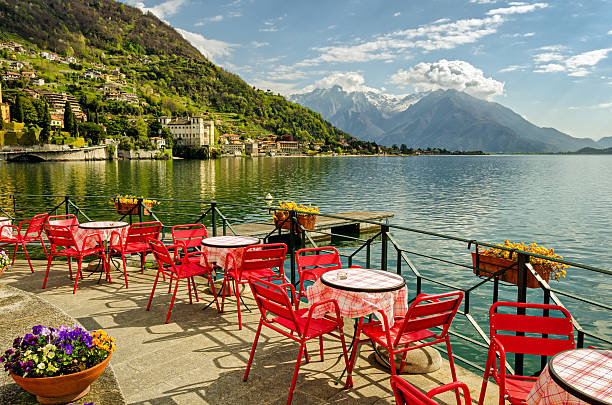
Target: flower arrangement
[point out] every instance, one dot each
(4, 261)
(50, 352)
(556, 269)
(306, 215)
(130, 199)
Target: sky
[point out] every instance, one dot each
(550, 61)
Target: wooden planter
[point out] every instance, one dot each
(307, 221)
(131, 208)
(64, 388)
(495, 264)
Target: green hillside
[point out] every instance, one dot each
(169, 76)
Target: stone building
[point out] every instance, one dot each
(5, 113)
(194, 131)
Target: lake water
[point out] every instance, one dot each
(557, 201)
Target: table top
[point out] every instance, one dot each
(2, 219)
(584, 373)
(363, 280)
(229, 241)
(103, 225)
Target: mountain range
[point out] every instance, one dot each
(446, 119)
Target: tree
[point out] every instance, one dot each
(17, 112)
(45, 123)
(168, 137)
(68, 117)
(93, 132)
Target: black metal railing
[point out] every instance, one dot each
(384, 243)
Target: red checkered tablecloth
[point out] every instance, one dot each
(355, 304)
(6, 232)
(586, 370)
(102, 228)
(217, 248)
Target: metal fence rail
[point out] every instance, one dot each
(381, 250)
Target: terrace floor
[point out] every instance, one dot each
(200, 356)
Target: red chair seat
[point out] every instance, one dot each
(134, 247)
(315, 328)
(260, 273)
(518, 388)
(74, 252)
(376, 332)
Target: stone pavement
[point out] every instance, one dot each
(200, 356)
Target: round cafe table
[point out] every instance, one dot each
(217, 247)
(6, 232)
(102, 228)
(575, 377)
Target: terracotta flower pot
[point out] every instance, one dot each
(129, 208)
(64, 388)
(307, 221)
(2, 270)
(495, 264)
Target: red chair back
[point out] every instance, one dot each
(407, 394)
(273, 298)
(142, 232)
(504, 326)
(431, 311)
(59, 235)
(161, 253)
(318, 260)
(265, 256)
(63, 220)
(36, 225)
(190, 235)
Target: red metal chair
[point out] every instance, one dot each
(190, 236)
(69, 220)
(136, 241)
(262, 261)
(278, 314)
(62, 237)
(167, 266)
(424, 316)
(312, 262)
(515, 388)
(22, 235)
(406, 394)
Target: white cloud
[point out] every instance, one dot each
(610, 32)
(529, 34)
(512, 68)
(547, 57)
(517, 8)
(590, 58)
(483, 1)
(349, 81)
(593, 107)
(256, 44)
(397, 14)
(444, 74)
(550, 68)
(211, 48)
(162, 10)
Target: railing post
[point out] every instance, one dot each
(292, 226)
(383, 253)
(140, 205)
(399, 262)
(368, 255)
(521, 297)
(213, 217)
(67, 204)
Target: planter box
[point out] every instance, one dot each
(132, 209)
(495, 264)
(307, 221)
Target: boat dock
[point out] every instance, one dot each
(343, 223)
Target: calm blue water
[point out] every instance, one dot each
(557, 201)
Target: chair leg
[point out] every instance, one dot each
(142, 261)
(76, 279)
(485, 380)
(321, 347)
(173, 297)
(189, 289)
(25, 250)
(295, 372)
(153, 290)
(70, 268)
(195, 289)
(238, 303)
(42, 242)
(344, 350)
(451, 361)
(351, 365)
(14, 253)
(48, 267)
(105, 266)
(246, 372)
(211, 283)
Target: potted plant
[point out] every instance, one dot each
(494, 260)
(5, 262)
(306, 215)
(58, 364)
(127, 204)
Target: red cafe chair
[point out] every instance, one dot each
(278, 314)
(28, 231)
(69, 220)
(262, 261)
(504, 326)
(406, 394)
(190, 236)
(171, 266)
(420, 324)
(135, 241)
(63, 244)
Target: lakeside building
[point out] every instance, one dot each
(158, 142)
(194, 131)
(288, 147)
(5, 112)
(57, 103)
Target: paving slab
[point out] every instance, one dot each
(200, 356)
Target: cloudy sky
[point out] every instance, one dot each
(549, 61)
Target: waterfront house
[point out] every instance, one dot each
(158, 142)
(288, 147)
(188, 131)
